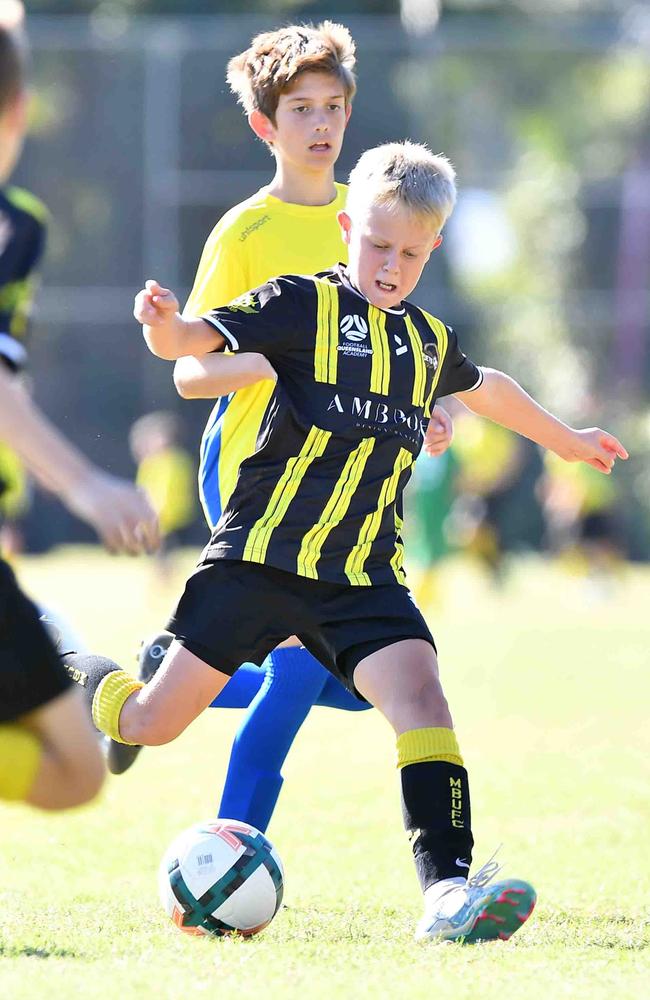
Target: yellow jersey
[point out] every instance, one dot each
(258, 239)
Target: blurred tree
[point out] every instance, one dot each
(282, 8)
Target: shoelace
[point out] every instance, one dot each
(486, 872)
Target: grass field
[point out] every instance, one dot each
(550, 693)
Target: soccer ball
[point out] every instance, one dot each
(221, 877)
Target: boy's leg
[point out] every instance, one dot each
(147, 714)
(242, 687)
(334, 695)
(402, 681)
(225, 617)
(294, 680)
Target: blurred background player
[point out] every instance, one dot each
(166, 472)
(296, 86)
(495, 511)
(49, 754)
(583, 524)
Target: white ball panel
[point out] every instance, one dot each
(253, 903)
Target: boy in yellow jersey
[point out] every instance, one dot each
(167, 474)
(296, 86)
(310, 540)
(49, 755)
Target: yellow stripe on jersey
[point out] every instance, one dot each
(370, 528)
(240, 427)
(335, 509)
(442, 339)
(285, 490)
(327, 333)
(380, 371)
(397, 562)
(420, 373)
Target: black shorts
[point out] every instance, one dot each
(31, 672)
(232, 612)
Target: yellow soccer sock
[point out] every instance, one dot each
(418, 745)
(20, 758)
(109, 701)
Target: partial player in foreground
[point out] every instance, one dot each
(49, 754)
(310, 541)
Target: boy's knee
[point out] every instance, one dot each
(149, 727)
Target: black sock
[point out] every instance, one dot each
(88, 671)
(437, 815)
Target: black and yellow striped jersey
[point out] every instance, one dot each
(22, 239)
(321, 496)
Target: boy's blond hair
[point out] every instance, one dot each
(275, 59)
(404, 174)
(12, 51)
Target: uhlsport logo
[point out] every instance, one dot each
(354, 327)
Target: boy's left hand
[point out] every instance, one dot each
(439, 432)
(595, 447)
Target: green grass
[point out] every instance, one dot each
(550, 693)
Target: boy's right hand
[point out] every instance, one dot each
(119, 511)
(154, 305)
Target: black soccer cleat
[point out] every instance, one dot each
(120, 756)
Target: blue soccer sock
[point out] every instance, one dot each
(241, 688)
(334, 695)
(293, 681)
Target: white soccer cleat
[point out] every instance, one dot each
(473, 911)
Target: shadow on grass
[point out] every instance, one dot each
(30, 951)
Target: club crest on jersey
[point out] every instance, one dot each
(431, 356)
(246, 303)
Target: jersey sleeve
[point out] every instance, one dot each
(459, 373)
(220, 276)
(268, 320)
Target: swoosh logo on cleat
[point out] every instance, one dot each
(461, 863)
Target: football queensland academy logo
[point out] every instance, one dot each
(354, 328)
(430, 356)
(355, 331)
(246, 303)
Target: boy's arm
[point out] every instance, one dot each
(167, 334)
(216, 375)
(503, 400)
(119, 512)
